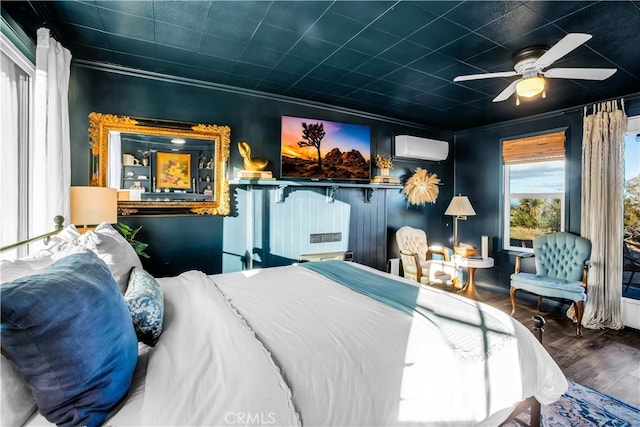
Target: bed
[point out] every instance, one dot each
(321, 343)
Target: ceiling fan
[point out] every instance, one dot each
(530, 64)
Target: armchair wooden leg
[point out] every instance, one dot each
(512, 293)
(539, 303)
(579, 305)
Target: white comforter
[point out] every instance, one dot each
(284, 346)
(207, 369)
(351, 360)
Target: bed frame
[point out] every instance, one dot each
(530, 403)
(58, 220)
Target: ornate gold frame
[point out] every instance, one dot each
(101, 124)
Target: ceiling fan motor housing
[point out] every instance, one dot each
(525, 60)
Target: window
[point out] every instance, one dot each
(16, 79)
(632, 189)
(534, 175)
(631, 194)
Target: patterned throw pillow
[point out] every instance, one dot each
(146, 305)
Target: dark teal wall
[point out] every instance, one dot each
(478, 174)
(212, 244)
(181, 243)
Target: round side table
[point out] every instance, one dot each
(471, 264)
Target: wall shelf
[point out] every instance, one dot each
(283, 187)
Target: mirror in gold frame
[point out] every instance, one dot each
(137, 156)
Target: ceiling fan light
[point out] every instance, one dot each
(528, 88)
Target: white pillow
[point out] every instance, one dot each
(16, 400)
(61, 244)
(110, 246)
(117, 253)
(11, 270)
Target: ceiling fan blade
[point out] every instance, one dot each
(506, 94)
(485, 76)
(567, 44)
(580, 73)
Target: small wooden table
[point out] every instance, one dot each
(471, 264)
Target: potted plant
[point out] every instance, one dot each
(130, 234)
(384, 164)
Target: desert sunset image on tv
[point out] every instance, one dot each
(321, 149)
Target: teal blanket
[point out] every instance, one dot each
(472, 332)
(393, 293)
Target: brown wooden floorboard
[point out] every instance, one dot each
(605, 360)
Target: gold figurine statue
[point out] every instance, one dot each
(249, 163)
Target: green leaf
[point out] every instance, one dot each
(138, 246)
(134, 232)
(129, 234)
(123, 228)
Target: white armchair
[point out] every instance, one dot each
(417, 259)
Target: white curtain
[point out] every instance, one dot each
(50, 153)
(9, 173)
(114, 172)
(602, 212)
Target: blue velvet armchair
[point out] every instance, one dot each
(561, 271)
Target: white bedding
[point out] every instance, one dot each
(207, 369)
(351, 360)
(322, 354)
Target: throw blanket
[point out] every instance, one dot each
(463, 334)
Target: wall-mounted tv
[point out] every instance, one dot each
(321, 149)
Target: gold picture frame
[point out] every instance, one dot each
(102, 125)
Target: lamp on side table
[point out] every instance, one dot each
(91, 206)
(460, 208)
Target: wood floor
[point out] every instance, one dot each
(605, 360)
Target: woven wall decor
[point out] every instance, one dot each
(422, 187)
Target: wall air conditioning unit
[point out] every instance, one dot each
(413, 147)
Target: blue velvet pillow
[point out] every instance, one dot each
(146, 305)
(69, 333)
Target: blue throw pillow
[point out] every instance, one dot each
(69, 333)
(146, 305)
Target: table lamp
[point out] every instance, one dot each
(91, 206)
(459, 208)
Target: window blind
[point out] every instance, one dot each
(538, 148)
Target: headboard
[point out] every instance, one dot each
(58, 220)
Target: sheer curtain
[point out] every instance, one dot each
(50, 154)
(114, 172)
(601, 217)
(9, 173)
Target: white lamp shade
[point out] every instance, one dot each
(460, 206)
(94, 205)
